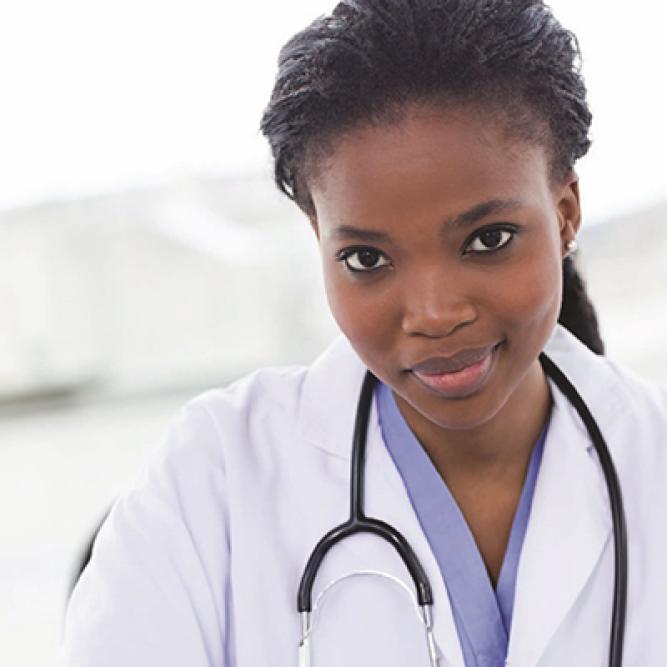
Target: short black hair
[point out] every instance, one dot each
(369, 59)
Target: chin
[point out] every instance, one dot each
(452, 414)
(464, 414)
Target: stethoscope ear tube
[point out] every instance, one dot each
(616, 505)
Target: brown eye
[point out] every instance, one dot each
(489, 240)
(364, 259)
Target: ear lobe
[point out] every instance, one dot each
(569, 210)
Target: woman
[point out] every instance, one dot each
(432, 146)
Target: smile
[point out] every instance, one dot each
(457, 378)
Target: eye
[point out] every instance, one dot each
(362, 259)
(490, 239)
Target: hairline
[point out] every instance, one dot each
(321, 145)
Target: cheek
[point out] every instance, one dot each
(532, 295)
(366, 322)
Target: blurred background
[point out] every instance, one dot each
(145, 256)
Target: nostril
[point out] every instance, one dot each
(436, 319)
(437, 324)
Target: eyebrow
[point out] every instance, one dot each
(465, 219)
(482, 210)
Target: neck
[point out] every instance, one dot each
(497, 448)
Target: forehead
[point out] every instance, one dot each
(426, 159)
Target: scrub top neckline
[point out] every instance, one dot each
(482, 614)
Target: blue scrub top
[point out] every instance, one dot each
(483, 616)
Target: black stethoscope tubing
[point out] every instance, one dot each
(358, 522)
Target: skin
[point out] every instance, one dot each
(434, 291)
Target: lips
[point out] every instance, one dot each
(458, 376)
(465, 358)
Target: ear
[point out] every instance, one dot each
(569, 209)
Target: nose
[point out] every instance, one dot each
(435, 304)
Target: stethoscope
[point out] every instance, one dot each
(360, 523)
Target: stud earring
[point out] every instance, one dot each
(571, 247)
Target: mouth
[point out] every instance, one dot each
(458, 376)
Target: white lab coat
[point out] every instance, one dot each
(199, 564)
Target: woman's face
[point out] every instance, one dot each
(442, 241)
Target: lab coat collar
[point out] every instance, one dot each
(329, 399)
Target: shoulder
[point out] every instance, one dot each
(273, 403)
(261, 394)
(630, 411)
(605, 383)
(641, 393)
(204, 427)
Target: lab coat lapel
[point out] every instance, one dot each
(568, 531)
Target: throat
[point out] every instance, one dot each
(485, 468)
(490, 516)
